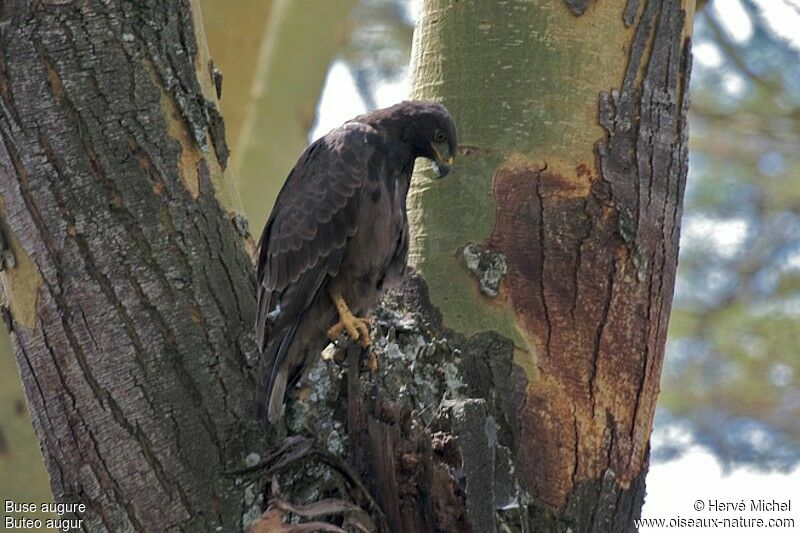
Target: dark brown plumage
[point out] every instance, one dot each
(337, 235)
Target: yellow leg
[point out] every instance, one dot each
(357, 328)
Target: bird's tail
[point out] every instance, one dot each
(272, 380)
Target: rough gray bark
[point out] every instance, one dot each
(130, 298)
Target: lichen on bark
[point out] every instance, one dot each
(409, 428)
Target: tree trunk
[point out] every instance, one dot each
(568, 196)
(302, 39)
(128, 291)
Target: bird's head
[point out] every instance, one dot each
(430, 132)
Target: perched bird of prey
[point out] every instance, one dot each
(337, 235)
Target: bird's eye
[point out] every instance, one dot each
(439, 136)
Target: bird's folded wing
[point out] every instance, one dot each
(315, 215)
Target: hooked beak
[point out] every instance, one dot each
(444, 159)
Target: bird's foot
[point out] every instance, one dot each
(356, 328)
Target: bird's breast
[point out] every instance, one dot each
(376, 255)
(382, 221)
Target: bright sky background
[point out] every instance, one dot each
(672, 487)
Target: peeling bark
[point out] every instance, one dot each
(588, 228)
(131, 301)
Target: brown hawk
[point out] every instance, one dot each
(337, 235)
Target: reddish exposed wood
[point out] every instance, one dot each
(591, 274)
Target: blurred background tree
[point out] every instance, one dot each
(731, 380)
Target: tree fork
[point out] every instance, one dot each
(131, 300)
(518, 365)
